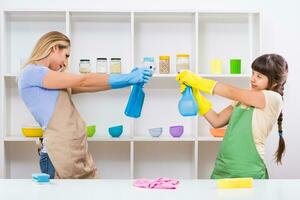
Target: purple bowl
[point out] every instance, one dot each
(176, 131)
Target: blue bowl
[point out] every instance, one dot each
(115, 131)
(155, 132)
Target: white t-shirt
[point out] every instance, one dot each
(263, 120)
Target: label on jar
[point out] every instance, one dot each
(102, 67)
(115, 68)
(84, 69)
(182, 66)
(164, 67)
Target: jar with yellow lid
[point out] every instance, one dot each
(164, 64)
(182, 62)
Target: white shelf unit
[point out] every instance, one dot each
(130, 35)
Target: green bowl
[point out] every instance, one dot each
(90, 130)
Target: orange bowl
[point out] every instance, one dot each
(218, 132)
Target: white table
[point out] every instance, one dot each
(23, 189)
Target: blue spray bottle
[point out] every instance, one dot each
(187, 105)
(137, 95)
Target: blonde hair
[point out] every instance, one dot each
(43, 47)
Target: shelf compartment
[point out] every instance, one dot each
(100, 34)
(115, 101)
(227, 36)
(13, 106)
(112, 159)
(150, 160)
(207, 153)
(157, 34)
(26, 28)
(21, 160)
(162, 111)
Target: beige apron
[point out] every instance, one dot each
(66, 141)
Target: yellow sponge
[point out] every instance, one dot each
(235, 183)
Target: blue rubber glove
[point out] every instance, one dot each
(136, 76)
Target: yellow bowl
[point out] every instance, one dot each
(32, 132)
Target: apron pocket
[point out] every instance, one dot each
(79, 155)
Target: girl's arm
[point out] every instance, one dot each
(247, 97)
(218, 120)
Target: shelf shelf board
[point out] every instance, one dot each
(164, 139)
(164, 75)
(20, 139)
(206, 75)
(108, 139)
(209, 139)
(124, 139)
(225, 75)
(158, 76)
(10, 75)
(33, 139)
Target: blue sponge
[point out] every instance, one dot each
(41, 177)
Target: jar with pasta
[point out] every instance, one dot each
(164, 64)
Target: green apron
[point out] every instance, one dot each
(238, 156)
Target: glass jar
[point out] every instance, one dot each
(216, 66)
(101, 65)
(115, 65)
(84, 66)
(149, 63)
(164, 64)
(182, 62)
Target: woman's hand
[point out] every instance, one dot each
(136, 76)
(139, 76)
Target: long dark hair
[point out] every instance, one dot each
(276, 69)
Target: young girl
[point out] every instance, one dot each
(46, 90)
(250, 119)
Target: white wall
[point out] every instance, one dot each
(280, 34)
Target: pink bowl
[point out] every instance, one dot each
(176, 131)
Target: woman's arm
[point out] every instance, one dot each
(95, 81)
(77, 90)
(60, 80)
(218, 120)
(247, 97)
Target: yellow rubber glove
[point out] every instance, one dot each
(193, 80)
(204, 105)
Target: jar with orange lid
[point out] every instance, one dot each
(164, 64)
(182, 62)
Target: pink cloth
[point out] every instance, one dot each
(159, 183)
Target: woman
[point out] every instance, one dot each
(46, 90)
(250, 119)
